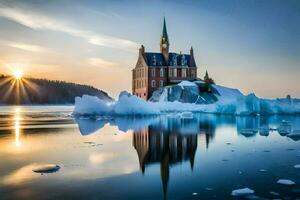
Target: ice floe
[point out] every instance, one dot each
(242, 192)
(286, 182)
(297, 166)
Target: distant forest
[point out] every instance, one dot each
(43, 91)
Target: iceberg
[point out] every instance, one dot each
(127, 104)
(222, 100)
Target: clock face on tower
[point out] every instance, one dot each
(164, 45)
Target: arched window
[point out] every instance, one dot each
(161, 83)
(153, 72)
(161, 72)
(153, 83)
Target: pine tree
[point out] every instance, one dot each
(208, 81)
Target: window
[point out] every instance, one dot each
(183, 61)
(161, 72)
(154, 60)
(161, 83)
(153, 72)
(193, 75)
(153, 83)
(183, 73)
(170, 72)
(175, 72)
(175, 60)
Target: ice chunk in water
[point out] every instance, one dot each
(285, 182)
(297, 166)
(48, 168)
(242, 192)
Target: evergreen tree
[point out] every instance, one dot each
(207, 79)
(207, 82)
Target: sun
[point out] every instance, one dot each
(18, 74)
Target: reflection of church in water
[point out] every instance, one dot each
(167, 148)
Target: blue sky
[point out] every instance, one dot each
(253, 45)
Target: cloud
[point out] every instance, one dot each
(40, 22)
(28, 47)
(99, 62)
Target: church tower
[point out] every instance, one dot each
(164, 42)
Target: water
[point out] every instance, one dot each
(161, 157)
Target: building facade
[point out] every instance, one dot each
(157, 69)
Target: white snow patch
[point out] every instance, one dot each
(187, 84)
(285, 182)
(242, 192)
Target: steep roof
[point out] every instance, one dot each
(157, 59)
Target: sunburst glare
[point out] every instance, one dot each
(18, 74)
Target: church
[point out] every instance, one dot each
(157, 69)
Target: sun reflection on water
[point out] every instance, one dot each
(17, 128)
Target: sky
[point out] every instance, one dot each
(252, 45)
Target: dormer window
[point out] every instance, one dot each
(175, 61)
(183, 60)
(154, 60)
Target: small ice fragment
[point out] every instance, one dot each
(263, 170)
(285, 182)
(242, 192)
(274, 193)
(209, 189)
(48, 168)
(195, 193)
(297, 166)
(240, 172)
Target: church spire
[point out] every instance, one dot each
(165, 37)
(164, 42)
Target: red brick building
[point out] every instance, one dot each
(154, 70)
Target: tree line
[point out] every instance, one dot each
(43, 91)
